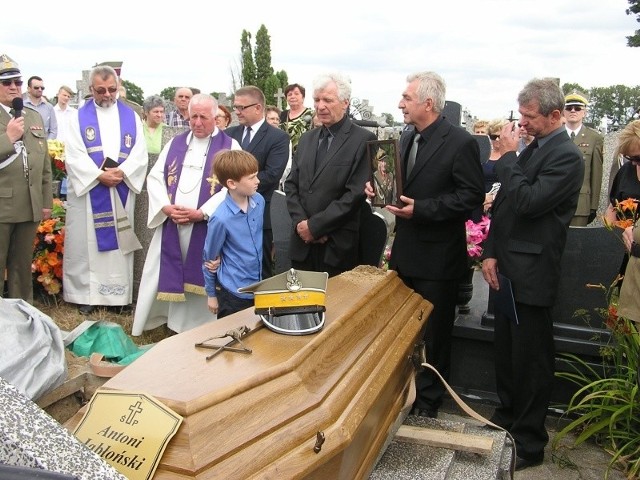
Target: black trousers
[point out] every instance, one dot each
(524, 367)
(228, 303)
(443, 294)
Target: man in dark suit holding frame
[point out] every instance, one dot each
(530, 218)
(441, 185)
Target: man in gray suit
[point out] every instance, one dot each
(530, 218)
(590, 143)
(25, 183)
(325, 187)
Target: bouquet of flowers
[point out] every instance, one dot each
(476, 234)
(626, 214)
(48, 248)
(56, 152)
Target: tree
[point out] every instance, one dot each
(169, 93)
(634, 9)
(264, 71)
(246, 60)
(134, 92)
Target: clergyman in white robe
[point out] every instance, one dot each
(150, 312)
(91, 277)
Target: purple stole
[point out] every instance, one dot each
(103, 214)
(176, 278)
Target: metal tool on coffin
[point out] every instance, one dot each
(292, 303)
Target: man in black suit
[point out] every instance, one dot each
(270, 146)
(530, 218)
(324, 189)
(441, 185)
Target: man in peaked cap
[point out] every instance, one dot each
(590, 143)
(25, 183)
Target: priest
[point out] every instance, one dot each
(181, 191)
(106, 161)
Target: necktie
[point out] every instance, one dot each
(411, 160)
(528, 152)
(573, 135)
(246, 139)
(323, 146)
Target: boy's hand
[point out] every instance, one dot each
(212, 265)
(212, 303)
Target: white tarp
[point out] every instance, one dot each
(31, 349)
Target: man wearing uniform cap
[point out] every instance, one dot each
(25, 183)
(590, 143)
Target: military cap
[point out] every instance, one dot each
(8, 68)
(292, 302)
(575, 98)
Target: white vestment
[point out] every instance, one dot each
(91, 277)
(150, 312)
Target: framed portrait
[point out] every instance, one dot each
(386, 172)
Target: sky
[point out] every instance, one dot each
(485, 50)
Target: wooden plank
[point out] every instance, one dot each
(445, 439)
(71, 385)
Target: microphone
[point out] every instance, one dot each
(17, 104)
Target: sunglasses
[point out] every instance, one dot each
(7, 83)
(102, 90)
(494, 137)
(576, 108)
(634, 158)
(240, 108)
(38, 88)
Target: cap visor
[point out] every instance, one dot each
(295, 324)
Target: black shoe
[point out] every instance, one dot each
(425, 412)
(86, 309)
(121, 309)
(522, 463)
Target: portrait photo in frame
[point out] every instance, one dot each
(386, 172)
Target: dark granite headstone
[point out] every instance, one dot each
(281, 224)
(485, 147)
(453, 112)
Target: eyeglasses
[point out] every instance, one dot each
(38, 88)
(102, 90)
(7, 83)
(576, 108)
(494, 137)
(240, 108)
(634, 158)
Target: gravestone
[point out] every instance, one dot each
(141, 211)
(472, 348)
(279, 96)
(485, 147)
(453, 112)
(281, 224)
(31, 439)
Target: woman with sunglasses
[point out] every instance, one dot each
(489, 167)
(626, 184)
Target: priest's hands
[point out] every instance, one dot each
(111, 177)
(181, 215)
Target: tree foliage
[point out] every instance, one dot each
(634, 9)
(264, 71)
(247, 64)
(134, 92)
(169, 93)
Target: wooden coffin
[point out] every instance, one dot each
(257, 416)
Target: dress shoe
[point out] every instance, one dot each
(424, 412)
(86, 309)
(522, 463)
